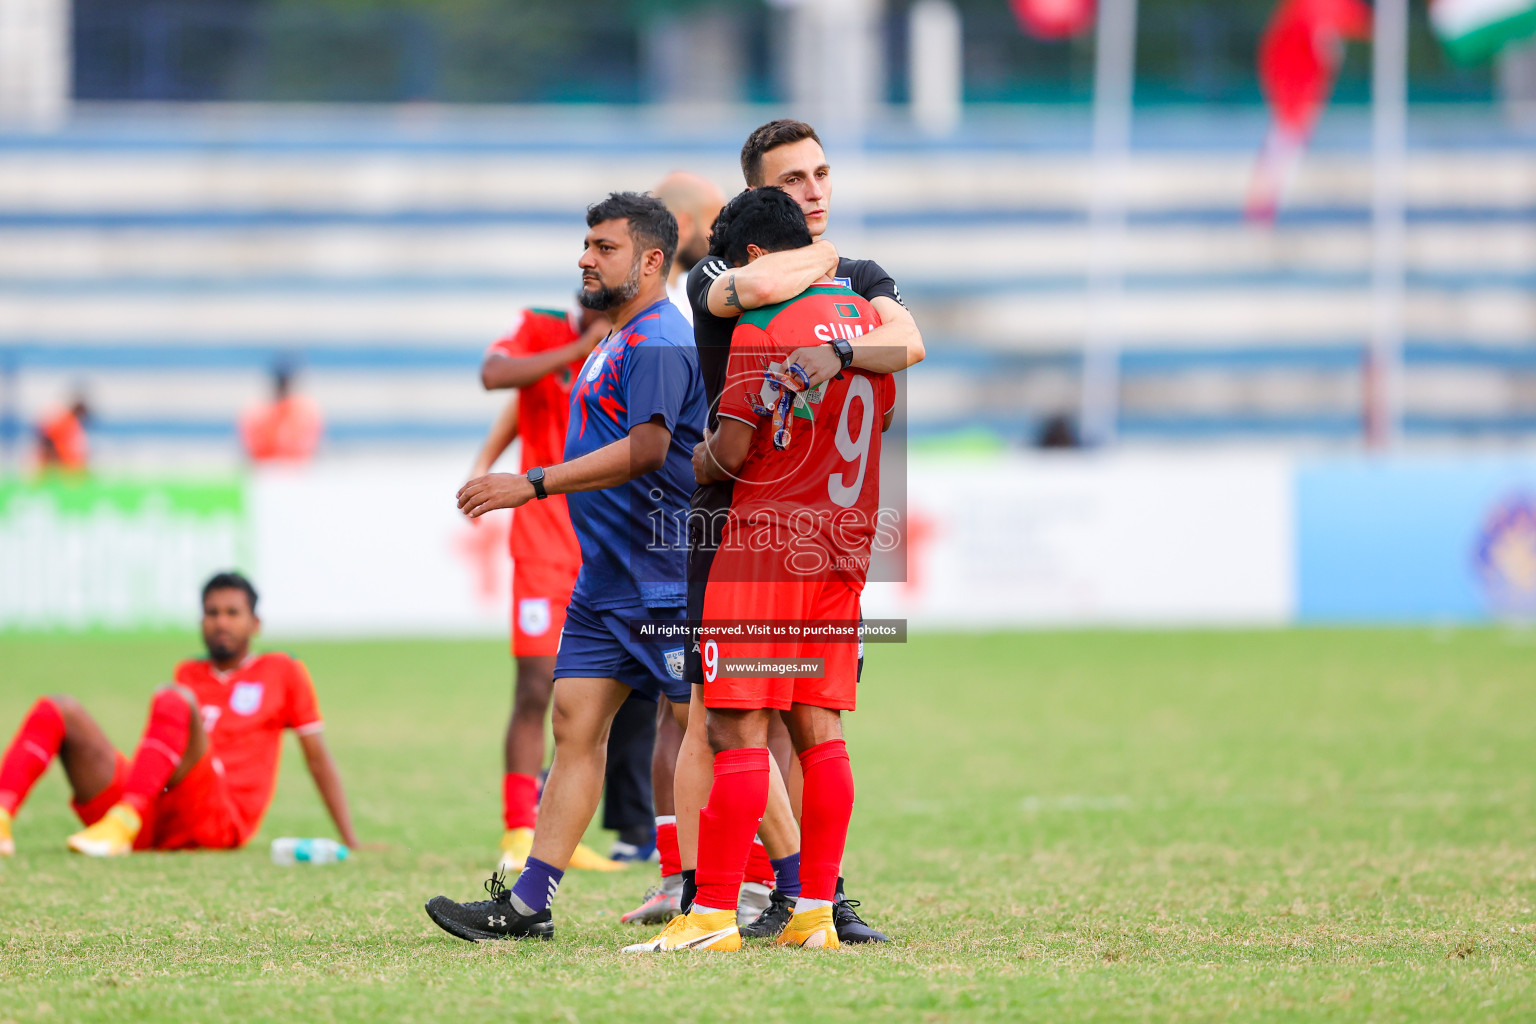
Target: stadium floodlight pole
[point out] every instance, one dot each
(1389, 157)
(1114, 80)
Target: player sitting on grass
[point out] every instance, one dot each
(205, 768)
(794, 548)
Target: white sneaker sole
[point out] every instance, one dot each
(701, 942)
(98, 849)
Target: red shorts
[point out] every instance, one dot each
(815, 601)
(196, 813)
(540, 592)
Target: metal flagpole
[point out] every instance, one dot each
(1113, 87)
(1389, 140)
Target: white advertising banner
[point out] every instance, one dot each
(359, 549)
(1076, 539)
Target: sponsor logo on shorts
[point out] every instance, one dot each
(246, 698)
(674, 662)
(533, 615)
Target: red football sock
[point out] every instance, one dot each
(519, 800)
(666, 845)
(37, 741)
(728, 822)
(160, 751)
(826, 807)
(759, 868)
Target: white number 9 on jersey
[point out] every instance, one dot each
(850, 448)
(711, 656)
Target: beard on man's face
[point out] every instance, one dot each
(217, 650)
(603, 298)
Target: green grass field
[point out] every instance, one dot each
(1296, 825)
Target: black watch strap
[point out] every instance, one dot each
(844, 351)
(536, 477)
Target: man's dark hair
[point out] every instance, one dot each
(651, 224)
(765, 217)
(231, 581)
(771, 136)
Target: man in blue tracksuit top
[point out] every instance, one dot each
(636, 414)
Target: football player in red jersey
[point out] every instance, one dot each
(794, 547)
(203, 774)
(787, 154)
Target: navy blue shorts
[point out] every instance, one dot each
(596, 644)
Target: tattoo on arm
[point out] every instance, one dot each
(731, 298)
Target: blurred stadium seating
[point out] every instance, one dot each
(165, 257)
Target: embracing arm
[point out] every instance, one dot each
(720, 455)
(771, 278)
(890, 348)
(643, 450)
(328, 781)
(893, 346)
(503, 371)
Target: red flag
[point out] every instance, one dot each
(1299, 60)
(1053, 19)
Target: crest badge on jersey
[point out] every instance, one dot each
(674, 662)
(533, 615)
(595, 370)
(245, 699)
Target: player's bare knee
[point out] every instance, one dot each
(810, 725)
(577, 729)
(70, 709)
(734, 730)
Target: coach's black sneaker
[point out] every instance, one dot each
(772, 920)
(851, 928)
(495, 918)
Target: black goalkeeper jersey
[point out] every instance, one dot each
(712, 335)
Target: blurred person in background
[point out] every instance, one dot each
(204, 771)
(1057, 431)
(62, 442)
(540, 359)
(695, 201)
(286, 429)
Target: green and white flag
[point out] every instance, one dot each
(1474, 30)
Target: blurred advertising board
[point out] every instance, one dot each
(1025, 540)
(377, 549)
(1095, 539)
(83, 553)
(1420, 540)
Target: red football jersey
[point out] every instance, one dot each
(541, 530)
(824, 486)
(245, 712)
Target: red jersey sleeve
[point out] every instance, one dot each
(516, 342)
(303, 713)
(752, 349)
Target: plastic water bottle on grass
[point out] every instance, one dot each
(289, 851)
